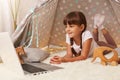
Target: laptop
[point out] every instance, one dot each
(11, 61)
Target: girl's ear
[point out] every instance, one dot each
(82, 27)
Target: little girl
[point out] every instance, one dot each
(80, 43)
(79, 40)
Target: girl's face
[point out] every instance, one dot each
(73, 30)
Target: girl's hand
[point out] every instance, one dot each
(56, 60)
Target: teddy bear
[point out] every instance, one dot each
(20, 52)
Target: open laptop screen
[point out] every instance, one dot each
(8, 54)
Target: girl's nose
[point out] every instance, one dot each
(67, 29)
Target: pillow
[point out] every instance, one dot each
(34, 54)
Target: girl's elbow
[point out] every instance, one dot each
(84, 57)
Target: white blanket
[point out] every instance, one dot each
(79, 70)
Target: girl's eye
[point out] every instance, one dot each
(65, 26)
(71, 26)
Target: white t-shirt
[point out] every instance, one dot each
(85, 36)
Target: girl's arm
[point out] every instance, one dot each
(84, 53)
(69, 52)
(69, 56)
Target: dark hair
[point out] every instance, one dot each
(77, 18)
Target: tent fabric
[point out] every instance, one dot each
(110, 8)
(25, 6)
(18, 37)
(30, 31)
(46, 24)
(116, 8)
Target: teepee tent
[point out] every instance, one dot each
(40, 22)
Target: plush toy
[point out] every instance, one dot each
(99, 52)
(20, 52)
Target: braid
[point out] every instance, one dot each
(71, 41)
(81, 41)
(80, 44)
(72, 49)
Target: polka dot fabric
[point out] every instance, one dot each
(110, 8)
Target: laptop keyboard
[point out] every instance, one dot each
(32, 69)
